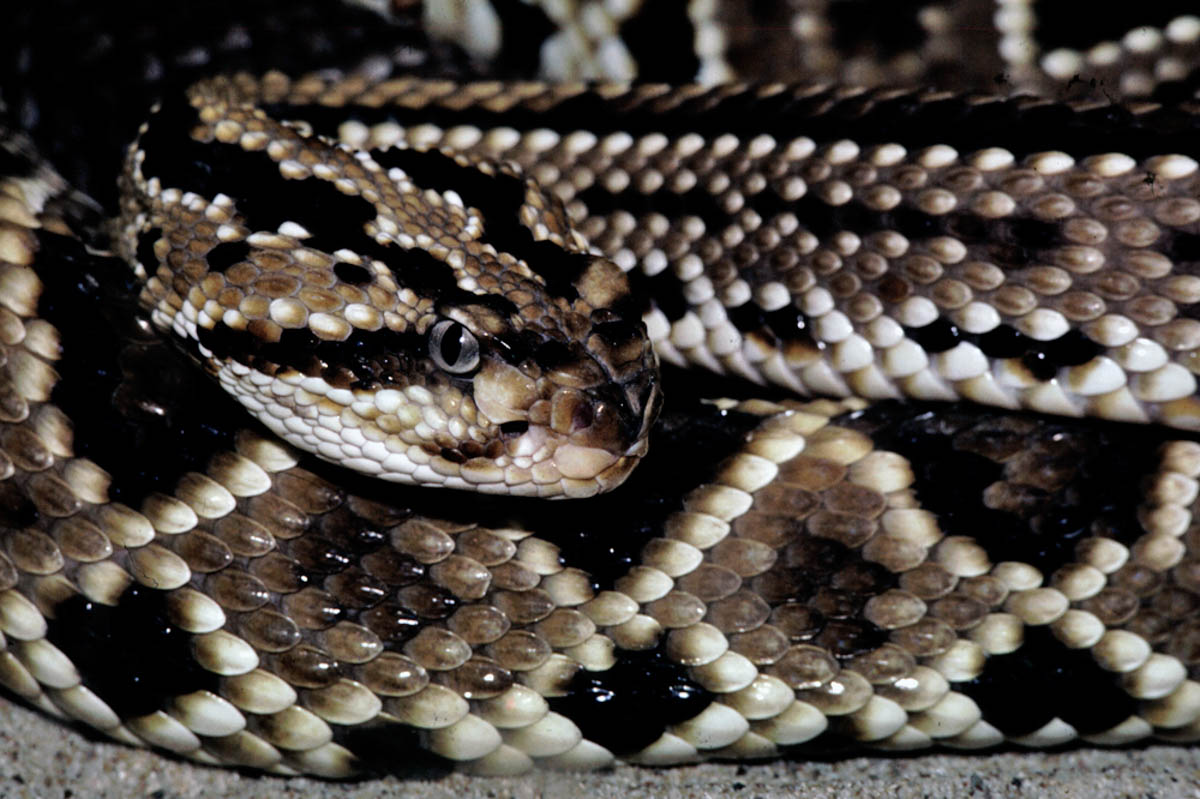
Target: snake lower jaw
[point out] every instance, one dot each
(592, 452)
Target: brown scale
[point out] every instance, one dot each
(427, 601)
(356, 589)
(761, 646)
(244, 536)
(279, 517)
(521, 650)
(676, 609)
(81, 540)
(392, 567)
(513, 576)
(312, 609)
(894, 609)
(478, 624)
(437, 649)
(988, 590)
(305, 666)
(204, 553)
(564, 628)
(741, 612)
(393, 674)
(351, 643)
(267, 630)
(959, 612)
(237, 590)
(524, 607)
(709, 582)
(885, 665)
(278, 572)
(478, 678)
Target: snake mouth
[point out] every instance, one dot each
(577, 442)
(603, 447)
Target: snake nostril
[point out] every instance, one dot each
(584, 417)
(513, 428)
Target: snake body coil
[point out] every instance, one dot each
(469, 285)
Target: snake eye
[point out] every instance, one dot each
(453, 348)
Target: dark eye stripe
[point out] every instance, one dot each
(366, 358)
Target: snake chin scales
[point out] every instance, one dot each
(414, 316)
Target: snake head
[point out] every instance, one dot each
(413, 315)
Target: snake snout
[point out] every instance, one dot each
(604, 407)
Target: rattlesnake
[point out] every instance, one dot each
(778, 577)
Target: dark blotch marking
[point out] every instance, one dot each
(618, 331)
(661, 39)
(939, 335)
(124, 389)
(16, 161)
(628, 707)
(1181, 246)
(1050, 681)
(145, 249)
(499, 198)
(747, 317)
(16, 509)
(365, 359)
(1004, 341)
(132, 656)
(1088, 464)
(525, 29)
(262, 195)
(665, 289)
(226, 255)
(352, 273)
(1039, 365)
(789, 324)
(513, 428)
(1071, 23)
(882, 32)
(781, 326)
(420, 271)
(391, 749)
(1073, 348)
(1043, 359)
(453, 455)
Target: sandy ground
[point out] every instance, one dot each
(45, 759)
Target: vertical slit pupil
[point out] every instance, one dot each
(452, 345)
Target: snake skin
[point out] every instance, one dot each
(778, 577)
